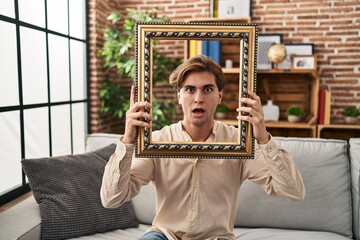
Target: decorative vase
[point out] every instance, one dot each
(220, 115)
(350, 120)
(271, 112)
(293, 118)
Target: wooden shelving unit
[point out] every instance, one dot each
(286, 88)
(338, 131)
(284, 128)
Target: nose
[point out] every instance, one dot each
(199, 97)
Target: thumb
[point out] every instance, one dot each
(132, 95)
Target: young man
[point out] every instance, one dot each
(196, 198)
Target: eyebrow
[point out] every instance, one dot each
(205, 86)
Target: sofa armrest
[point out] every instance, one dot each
(21, 222)
(354, 154)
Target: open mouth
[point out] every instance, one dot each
(198, 110)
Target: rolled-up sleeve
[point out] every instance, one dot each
(275, 171)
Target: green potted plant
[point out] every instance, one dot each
(117, 52)
(221, 111)
(294, 113)
(351, 114)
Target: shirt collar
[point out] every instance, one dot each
(211, 138)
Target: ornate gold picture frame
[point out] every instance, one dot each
(148, 32)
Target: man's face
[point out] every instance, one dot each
(199, 97)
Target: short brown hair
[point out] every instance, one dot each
(199, 63)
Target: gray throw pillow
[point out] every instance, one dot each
(67, 189)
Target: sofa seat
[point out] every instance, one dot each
(120, 234)
(240, 233)
(284, 234)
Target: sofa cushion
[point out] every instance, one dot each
(95, 141)
(324, 166)
(354, 154)
(67, 189)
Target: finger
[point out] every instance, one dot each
(248, 101)
(132, 95)
(254, 120)
(248, 111)
(245, 118)
(139, 115)
(138, 106)
(140, 123)
(253, 95)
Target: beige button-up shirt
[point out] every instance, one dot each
(196, 198)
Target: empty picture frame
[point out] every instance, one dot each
(265, 42)
(146, 33)
(295, 49)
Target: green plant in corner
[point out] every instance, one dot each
(222, 108)
(117, 52)
(294, 110)
(221, 111)
(294, 113)
(351, 111)
(160, 117)
(351, 114)
(114, 100)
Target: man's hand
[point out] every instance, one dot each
(134, 118)
(255, 117)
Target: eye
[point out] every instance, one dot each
(208, 89)
(190, 89)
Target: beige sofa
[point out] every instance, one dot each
(330, 210)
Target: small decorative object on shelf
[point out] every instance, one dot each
(265, 41)
(221, 111)
(271, 111)
(277, 54)
(303, 62)
(294, 113)
(295, 49)
(228, 63)
(351, 115)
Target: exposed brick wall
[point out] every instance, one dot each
(176, 10)
(98, 12)
(332, 26)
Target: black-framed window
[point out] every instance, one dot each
(43, 85)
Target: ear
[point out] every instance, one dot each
(178, 97)
(220, 96)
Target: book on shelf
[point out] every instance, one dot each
(327, 112)
(212, 48)
(198, 47)
(192, 48)
(324, 109)
(321, 108)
